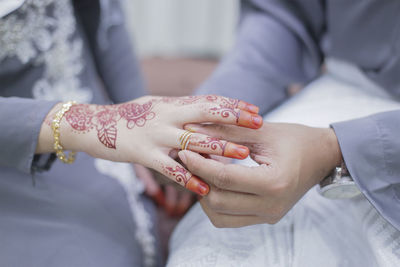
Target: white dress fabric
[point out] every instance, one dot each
(317, 231)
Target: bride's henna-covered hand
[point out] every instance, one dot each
(145, 130)
(292, 159)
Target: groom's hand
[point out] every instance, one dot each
(292, 159)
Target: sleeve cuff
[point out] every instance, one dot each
(38, 115)
(371, 150)
(21, 121)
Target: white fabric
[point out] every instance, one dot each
(7, 6)
(317, 231)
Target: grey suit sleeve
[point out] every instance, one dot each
(371, 151)
(277, 44)
(20, 123)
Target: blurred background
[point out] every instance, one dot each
(180, 41)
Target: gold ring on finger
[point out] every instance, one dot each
(184, 139)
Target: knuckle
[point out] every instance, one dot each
(215, 202)
(275, 185)
(191, 165)
(222, 179)
(204, 110)
(278, 189)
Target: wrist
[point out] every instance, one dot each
(92, 129)
(45, 142)
(328, 153)
(333, 149)
(75, 134)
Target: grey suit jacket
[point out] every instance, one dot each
(283, 42)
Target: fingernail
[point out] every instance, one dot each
(236, 151)
(182, 156)
(250, 120)
(242, 152)
(257, 120)
(197, 186)
(203, 189)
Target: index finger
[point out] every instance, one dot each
(176, 172)
(231, 177)
(223, 110)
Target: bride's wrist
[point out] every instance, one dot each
(74, 137)
(94, 129)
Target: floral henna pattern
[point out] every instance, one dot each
(106, 125)
(80, 117)
(226, 108)
(136, 114)
(180, 174)
(184, 178)
(104, 119)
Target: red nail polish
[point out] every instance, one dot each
(197, 186)
(203, 189)
(243, 152)
(257, 120)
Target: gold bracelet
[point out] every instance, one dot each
(55, 125)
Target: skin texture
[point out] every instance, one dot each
(293, 158)
(145, 130)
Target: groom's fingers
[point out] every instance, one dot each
(220, 220)
(233, 203)
(228, 177)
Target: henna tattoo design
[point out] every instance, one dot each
(226, 106)
(185, 178)
(84, 118)
(136, 114)
(187, 100)
(179, 173)
(213, 143)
